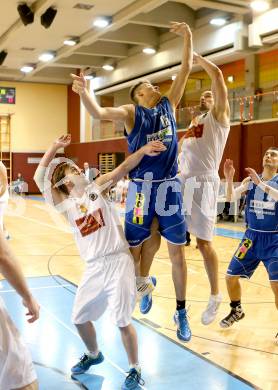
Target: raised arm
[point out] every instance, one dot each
(49, 155)
(10, 269)
(221, 109)
(3, 178)
(153, 148)
(123, 113)
(178, 85)
(231, 193)
(272, 192)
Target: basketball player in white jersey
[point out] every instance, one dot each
(201, 153)
(109, 277)
(16, 367)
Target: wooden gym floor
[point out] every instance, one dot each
(246, 350)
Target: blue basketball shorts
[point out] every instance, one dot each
(163, 200)
(254, 248)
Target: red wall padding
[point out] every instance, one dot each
(73, 115)
(256, 138)
(88, 151)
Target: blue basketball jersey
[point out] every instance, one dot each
(153, 124)
(261, 209)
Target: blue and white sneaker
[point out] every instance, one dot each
(133, 380)
(86, 362)
(147, 300)
(183, 329)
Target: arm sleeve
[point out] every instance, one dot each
(272, 192)
(39, 177)
(237, 192)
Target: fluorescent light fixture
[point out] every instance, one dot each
(27, 68)
(45, 57)
(101, 22)
(218, 21)
(149, 50)
(174, 77)
(108, 67)
(70, 42)
(260, 5)
(230, 79)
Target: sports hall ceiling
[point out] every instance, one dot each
(133, 26)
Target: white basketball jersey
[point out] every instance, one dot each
(203, 146)
(96, 225)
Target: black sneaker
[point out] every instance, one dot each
(235, 315)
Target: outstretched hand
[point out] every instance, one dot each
(181, 29)
(154, 148)
(79, 83)
(229, 170)
(63, 141)
(253, 175)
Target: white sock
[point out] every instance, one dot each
(136, 366)
(143, 279)
(93, 354)
(216, 297)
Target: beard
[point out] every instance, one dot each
(203, 107)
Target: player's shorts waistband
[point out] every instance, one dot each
(263, 231)
(200, 174)
(137, 180)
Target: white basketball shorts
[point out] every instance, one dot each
(108, 283)
(200, 202)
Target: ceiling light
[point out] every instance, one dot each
(230, 79)
(70, 41)
(108, 67)
(218, 21)
(260, 5)
(149, 50)
(174, 77)
(45, 57)
(101, 22)
(27, 68)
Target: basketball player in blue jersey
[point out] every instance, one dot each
(260, 241)
(154, 191)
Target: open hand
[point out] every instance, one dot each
(79, 83)
(154, 148)
(63, 141)
(253, 175)
(229, 170)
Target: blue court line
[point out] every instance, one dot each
(228, 233)
(56, 347)
(33, 197)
